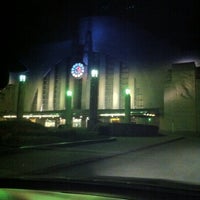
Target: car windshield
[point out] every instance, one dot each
(101, 88)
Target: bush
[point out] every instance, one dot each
(104, 130)
(20, 126)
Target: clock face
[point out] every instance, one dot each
(77, 70)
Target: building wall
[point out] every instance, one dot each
(102, 83)
(198, 99)
(47, 91)
(180, 99)
(8, 99)
(62, 79)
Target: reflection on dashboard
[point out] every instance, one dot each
(22, 194)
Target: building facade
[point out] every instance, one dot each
(181, 98)
(125, 58)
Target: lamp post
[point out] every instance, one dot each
(93, 99)
(20, 99)
(69, 108)
(127, 106)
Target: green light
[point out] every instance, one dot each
(69, 93)
(127, 91)
(4, 194)
(22, 78)
(94, 73)
(149, 119)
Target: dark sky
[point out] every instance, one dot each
(25, 23)
(34, 21)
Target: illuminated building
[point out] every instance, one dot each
(125, 56)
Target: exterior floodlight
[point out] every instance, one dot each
(127, 91)
(94, 73)
(22, 78)
(69, 93)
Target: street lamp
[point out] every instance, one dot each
(69, 108)
(127, 105)
(20, 100)
(93, 99)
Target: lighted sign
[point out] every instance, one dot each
(77, 70)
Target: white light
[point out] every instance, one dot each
(149, 114)
(127, 91)
(112, 114)
(69, 93)
(94, 73)
(40, 116)
(34, 116)
(9, 116)
(22, 78)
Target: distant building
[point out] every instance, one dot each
(124, 56)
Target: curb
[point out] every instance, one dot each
(69, 144)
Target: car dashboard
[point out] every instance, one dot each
(95, 189)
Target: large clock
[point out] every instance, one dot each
(77, 70)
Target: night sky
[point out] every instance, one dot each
(26, 23)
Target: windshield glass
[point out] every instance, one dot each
(98, 88)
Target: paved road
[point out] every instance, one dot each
(178, 160)
(162, 157)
